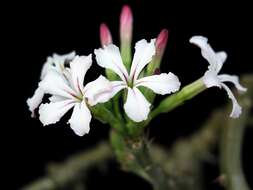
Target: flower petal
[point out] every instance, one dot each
(98, 91)
(144, 52)
(61, 59)
(35, 100)
(54, 83)
(52, 112)
(236, 110)
(234, 79)
(109, 57)
(136, 107)
(78, 68)
(160, 84)
(56, 98)
(56, 62)
(215, 60)
(211, 79)
(117, 86)
(80, 119)
(222, 56)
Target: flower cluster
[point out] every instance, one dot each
(62, 77)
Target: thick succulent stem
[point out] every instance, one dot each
(133, 153)
(231, 143)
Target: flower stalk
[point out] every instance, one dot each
(177, 99)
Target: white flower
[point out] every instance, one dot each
(136, 106)
(67, 91)
(57, 63)
(211, 77)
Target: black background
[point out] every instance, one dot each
(35, 30)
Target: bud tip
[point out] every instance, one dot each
(161, 41)
(126, 22)
(105, 35)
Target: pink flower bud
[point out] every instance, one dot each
(105, 35)
(126, 22)
(161, 42)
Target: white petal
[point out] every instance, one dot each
(161, 84)
(61, 59)
(56, 98)
(211, 79)
(109, 57)
(78, 68)
(222, 56)
(54, 83)
(144, 52)
(35, 100)
(51, 113)
(80, 119)
(234, 79)
(56, 62)
(117, 86)
(49, 65)
(98, 91)
(236, 110)
(136, 107)
(215, 60)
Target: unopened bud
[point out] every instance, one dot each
(161, 42)
(126, 27)
(154, 67)
(126, 23)
(105, 35)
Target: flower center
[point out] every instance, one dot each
(79, 98)
(130, 83)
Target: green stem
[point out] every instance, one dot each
(231, 156)
(101, 113)
(126, 54)
(116, 107)
(177, 99)
(134, 156)
(155, 64)
(231, 145)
